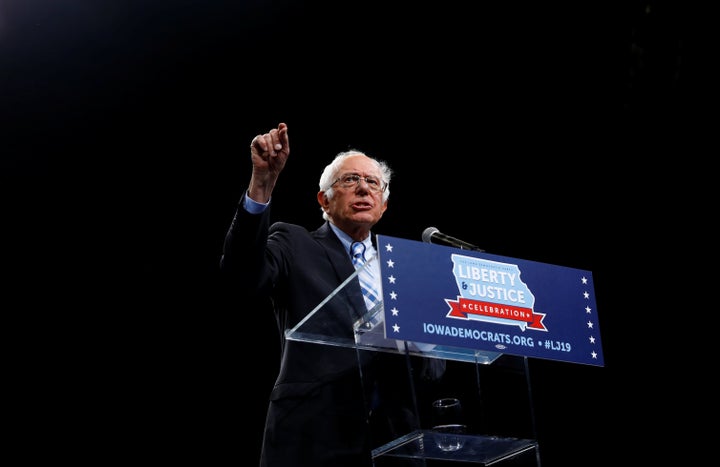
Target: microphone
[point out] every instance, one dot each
(432, 233)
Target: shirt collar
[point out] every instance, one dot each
(347, 240)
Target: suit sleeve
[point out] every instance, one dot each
(243, 249)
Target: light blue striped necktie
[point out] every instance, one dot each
(368, 281)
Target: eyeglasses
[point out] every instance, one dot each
(351, 180)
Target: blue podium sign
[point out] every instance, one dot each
(448, 296)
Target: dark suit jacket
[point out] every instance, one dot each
(318, 410)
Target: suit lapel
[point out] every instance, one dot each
(340, 260)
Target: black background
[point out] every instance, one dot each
(526, 128)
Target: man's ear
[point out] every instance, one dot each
(323, 200)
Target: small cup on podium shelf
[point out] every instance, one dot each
(448, 424)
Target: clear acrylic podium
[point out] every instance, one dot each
(493, 387)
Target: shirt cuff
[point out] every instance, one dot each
(252, 206)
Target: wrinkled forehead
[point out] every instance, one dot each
(361, 165)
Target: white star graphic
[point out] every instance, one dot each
(393, 296)
(584, 280)
(586, 295)
(394, 311)
(396, 328)
(391, 279)
(388, 247)
(588, 309)
(590, 324)
(390, 263)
